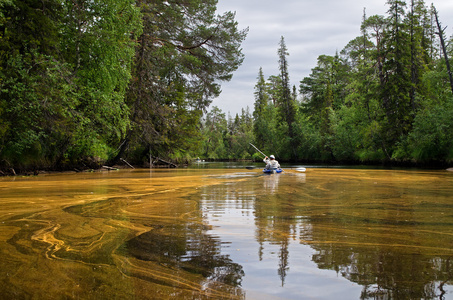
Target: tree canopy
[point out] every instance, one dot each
(385, 98)
(89, 82)
(83, 82)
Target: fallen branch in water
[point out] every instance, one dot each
(123, 160)
(157, 159)
(110, 168)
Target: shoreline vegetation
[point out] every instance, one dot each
(82, 87)
(125, 165)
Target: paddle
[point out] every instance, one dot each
(301, 169)
(252, 167)
(258, 150)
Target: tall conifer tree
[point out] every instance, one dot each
(286, 103)
(396, 89)
(184, 53)
(260, 113)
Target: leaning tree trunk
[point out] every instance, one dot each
(444, 49)
(121, 150)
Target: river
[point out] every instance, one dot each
(228, 233)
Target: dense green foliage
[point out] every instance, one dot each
(65, 67)
(88, 82)
(385, 97)
(83, 82)
(184, 52)
(226, 138)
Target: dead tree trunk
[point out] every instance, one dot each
(444, 49)
(122, 148)
(167, 163)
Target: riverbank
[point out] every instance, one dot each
(96, 167)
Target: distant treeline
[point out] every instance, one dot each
(387, 97)
(85, 83)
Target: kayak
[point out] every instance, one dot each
(272, 171)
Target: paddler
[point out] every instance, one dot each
(271, 163)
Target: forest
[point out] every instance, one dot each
(386, 98)
(88, 83)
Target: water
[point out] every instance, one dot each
(231, 233)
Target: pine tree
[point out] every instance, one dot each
(185, 51)
(259, 114)
(286, 104)
(397, 83)
(419, 47)
(261, 97)
(444, 48)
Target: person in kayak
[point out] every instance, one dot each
(271, 163)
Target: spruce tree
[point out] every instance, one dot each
(286, 104)
(259, 114)
(397, 83)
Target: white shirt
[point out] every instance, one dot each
(271, 163)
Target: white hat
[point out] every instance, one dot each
(273, 157)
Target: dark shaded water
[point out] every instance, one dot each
(227, 234)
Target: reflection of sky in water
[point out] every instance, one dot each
(236, 228)
(343, 235)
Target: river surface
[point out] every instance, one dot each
(327, 233)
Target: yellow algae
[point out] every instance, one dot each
(68, 229)
(8, 232)
(182, 234)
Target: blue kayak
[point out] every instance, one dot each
(272, 171)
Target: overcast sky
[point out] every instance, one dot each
(310, 28)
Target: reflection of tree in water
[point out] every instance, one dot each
(244, 195)
(359, 243)
(390, 256)
(283, 265)
(266, 232)
(388, 274)
(187, 247)
(272, 222)
(386, 271)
